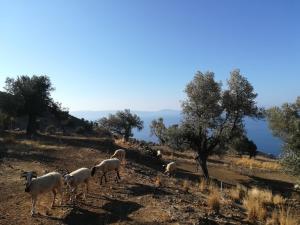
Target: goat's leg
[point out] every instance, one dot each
(105, 178)
(101, 179)
(54, 196)
(33, 201)
(60, 191)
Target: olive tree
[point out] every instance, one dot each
(243, 145)
(122, 123)
(284, 122)
(30, 96)
(212, 117)
(158, 128)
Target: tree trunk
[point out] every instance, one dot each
(202, 160)
(31, 126)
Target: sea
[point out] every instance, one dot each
(257, 130)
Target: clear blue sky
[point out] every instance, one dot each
(103, 55)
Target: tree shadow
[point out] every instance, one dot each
(283, 187)
(142, 189)
(116, 210)
(185, 174)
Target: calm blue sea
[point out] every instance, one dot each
(257, 130)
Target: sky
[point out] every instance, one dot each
(137, 54)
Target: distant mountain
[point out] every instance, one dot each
(257, 130)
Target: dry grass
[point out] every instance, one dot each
(255, 209)
(186, 186)
(158, 182)
(254, 204)
(237, 193)
(203, 185)
(283, 216)
(278, 200)
(214, 200)
(262, 196)
(253, 163)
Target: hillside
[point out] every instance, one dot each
(144, 196)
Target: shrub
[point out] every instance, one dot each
(80, 130)
(51, 129)
(103, 132)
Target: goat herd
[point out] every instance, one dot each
(54, 181)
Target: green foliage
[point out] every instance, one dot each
(4, 121)
(158, 128)
(213, 117)
(284, 122)
(51, 129)
(175, 137)
(244, 145)
(122, 123)
(29, 96)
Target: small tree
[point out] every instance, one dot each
(158, 128)
(175, 137)
(244, 145)
(284, 122)
(212, 117)
(122, 123)
(31, 97)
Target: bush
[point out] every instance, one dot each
(103, 132)
(51, 129)
(80, 130)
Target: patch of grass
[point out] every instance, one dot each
(263, 196)
(254, 209)
(237, 194)
(278, 200)
(253, 163)
(254, 203)
(203, 185)
(186, 186)
(287, 217)
(283, 216)
(214, 200)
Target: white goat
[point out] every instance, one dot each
(119, 154)
(170, 168)
(297, 187)
(76, 178)
(38, 185)
(107, 166)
